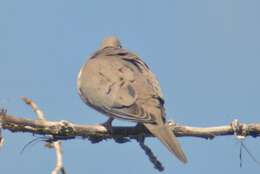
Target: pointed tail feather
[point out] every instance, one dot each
(167, 137)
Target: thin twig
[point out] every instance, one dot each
(250, 154)
(153, 159)
(35, 108)
(56, 144)
(59, 164)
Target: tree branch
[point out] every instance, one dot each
(62, 130)
(56, 144)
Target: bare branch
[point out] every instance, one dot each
(34, 107)
(59, 162)
(56, 144)
(62, 130)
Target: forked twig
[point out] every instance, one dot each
(55, 144)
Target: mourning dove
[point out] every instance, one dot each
(120, 85)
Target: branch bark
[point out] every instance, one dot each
(62, 130)
(59, 168)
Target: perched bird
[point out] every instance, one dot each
(120, 85)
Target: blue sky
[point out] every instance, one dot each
(204, 53)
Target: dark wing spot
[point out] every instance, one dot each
(131, 90)
(104, 77)
(110, 88)
(121, 70)
(135, 63)
(122, 83)
(101, 74)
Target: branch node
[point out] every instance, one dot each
(51, 143)
(66, 128)
(240, 129)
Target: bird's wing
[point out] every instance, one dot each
(140, 69)
(128, 90)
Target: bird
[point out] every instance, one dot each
(120, 85)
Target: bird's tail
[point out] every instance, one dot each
(168, 138)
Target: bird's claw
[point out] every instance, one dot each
(108, 125)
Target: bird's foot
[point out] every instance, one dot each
(141, 136)
(140, 126)
(108, 125)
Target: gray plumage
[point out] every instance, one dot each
(120, 85)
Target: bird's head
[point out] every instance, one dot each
(111, 41)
